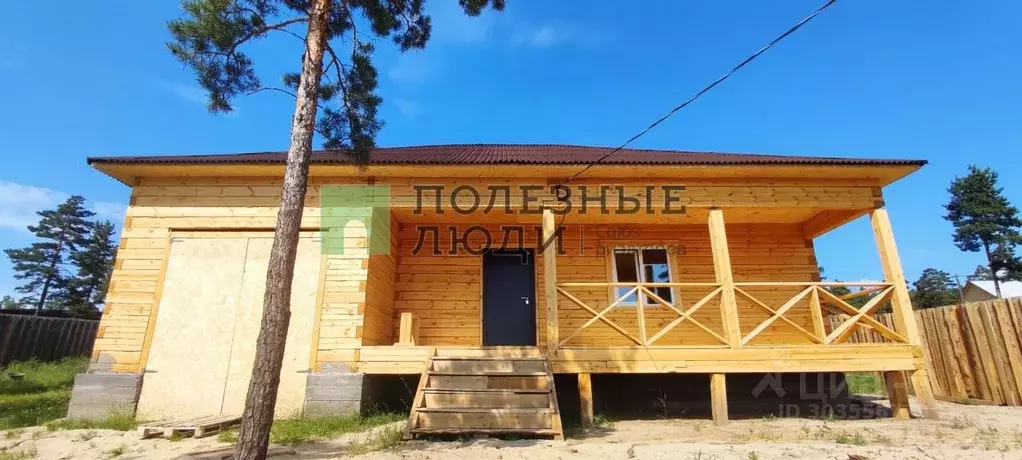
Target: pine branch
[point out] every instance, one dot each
(270, 88)
(289, 93)
(263, 30)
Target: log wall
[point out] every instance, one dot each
(355, 305)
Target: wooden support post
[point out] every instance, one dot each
(585, 395)
(550, 279)
(904, 318)
(408, 329)
(897, 393)
(722, 270)
(816, 311)
(718, 399)
(640, 309)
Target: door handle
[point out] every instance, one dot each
(526, 299)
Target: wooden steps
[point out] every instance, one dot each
(489, 391)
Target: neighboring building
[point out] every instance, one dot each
(431, 258)
(980, 290)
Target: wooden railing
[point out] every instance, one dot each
(640, 291)
(819, 295)
(819, 298)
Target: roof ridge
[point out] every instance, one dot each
(578, 146)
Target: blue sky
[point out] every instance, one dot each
(868, 78)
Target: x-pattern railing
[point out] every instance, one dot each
(816, 292)
(819, 296)
(641, 291)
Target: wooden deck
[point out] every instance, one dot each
(700, 360)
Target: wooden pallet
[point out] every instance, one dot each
(194, 427)
(483, 395)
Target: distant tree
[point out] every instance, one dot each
(8, 303)
(41, 266)
(841, 291)
(1007, 264)
(934, 288)
(95, 262)
(981, 274)
(210, 39)
(984, 220)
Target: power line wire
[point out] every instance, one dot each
(704, 90)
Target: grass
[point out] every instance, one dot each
(119, 422)
(86, 436)
(117, 451)
(20, 455)
(856, 439)
(862, 383)
(602, 421)
(991, 439)
(40, 394)
(961, 423)
(229, 436)
(385, 439)
(303, 430)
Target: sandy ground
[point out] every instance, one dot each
(975, 432)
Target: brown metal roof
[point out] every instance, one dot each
(483, 154)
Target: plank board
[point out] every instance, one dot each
(973, 352)
(196, 427)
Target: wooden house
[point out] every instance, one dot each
(462, 265)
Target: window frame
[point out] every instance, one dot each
(612, 291)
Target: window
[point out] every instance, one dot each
(651, 265)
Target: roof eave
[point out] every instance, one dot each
(128, 172)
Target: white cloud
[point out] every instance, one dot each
(412, 67)
(541, 37)
(546, 35)
(184, 91)
(19, 204)
(452, 25)
(10, 64)
(106, 210)
(407, 107)
(193, 94)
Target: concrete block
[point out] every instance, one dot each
(100, 395)
(332, 393)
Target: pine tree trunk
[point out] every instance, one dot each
(49, 278)
(993, 270)
(262, 391)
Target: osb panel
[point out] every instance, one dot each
(291, 393)
(192, 345)
(207, 372)
(160, 207)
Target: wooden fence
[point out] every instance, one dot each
(46, 339)
(973, 351)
